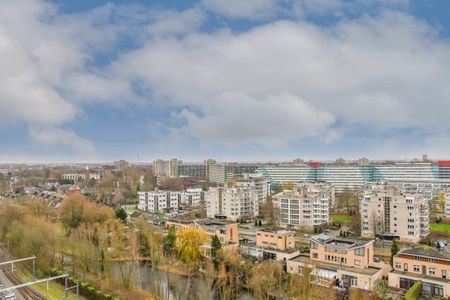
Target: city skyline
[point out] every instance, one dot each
(260, 80)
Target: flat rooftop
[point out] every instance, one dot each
(334, 267)
(338, 242)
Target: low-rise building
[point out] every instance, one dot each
(193, 197)
(276, 244)
(275, 239)
(74, 176)
(388, 210)
(226, 231)
(429, 266)
(339, 262)
(307, 205)
(156, 201)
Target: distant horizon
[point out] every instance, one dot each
(306, 160)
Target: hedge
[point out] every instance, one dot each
(414, 292)
(86, 289)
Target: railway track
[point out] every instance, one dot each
(28, 293)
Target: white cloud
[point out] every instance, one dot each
(272, 121)
(50, 137)
(387, 72)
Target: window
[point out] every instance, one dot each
(405, 267)
(398, 265)
(431, 271)
(359, 251)
(315, 255)
(357, 262)
(416, 268)
(444, 274)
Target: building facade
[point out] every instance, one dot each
(427, 177)
(156, 201)
(388, 210)
(258, 183)
(307, 205)
(275, 239)
(447, 203)
(74, 176)
(231, 202)
(339, 262)
(429, 266)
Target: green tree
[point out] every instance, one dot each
(215, 247)
(121, 214)
(394, 250)
(169, 241)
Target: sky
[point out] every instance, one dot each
(233, 80)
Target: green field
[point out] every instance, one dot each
(55, 290)
(132, 209)
(440, 227)
(339, 218)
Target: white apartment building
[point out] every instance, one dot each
(232, 202)
(156, 201)
(258, 183)
(307, 205)
(389, 210)
(447, 203)
(74, 176)
(193, 197)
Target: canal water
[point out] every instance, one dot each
(169, 285)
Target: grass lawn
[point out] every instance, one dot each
(55, 290)
(440, 227)
(339, 218)
(132, 209)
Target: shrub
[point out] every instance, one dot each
(414, 292)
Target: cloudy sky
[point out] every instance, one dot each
(95, 80)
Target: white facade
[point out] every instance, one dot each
(307, 205)
(74, 176)
(387, 209)
(156, 201)
(232, 202)
(258, 183)
(192, 197)
(447, 204)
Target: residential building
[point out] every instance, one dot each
(196, 170)
(307, 205)
(388, 210)
(447, 203)
(226, 231)
(231, 202)
(339, 262)
(193, 197)
(166, 168)
(74, 176)
(426, 177)
(156, 201)
(258, 183)
(429, 266)
(275, 239)
(216, 174)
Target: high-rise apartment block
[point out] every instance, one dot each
(447, 203)
(258, 183)
(306, 205)
(166, 168)
(231, 202)
(388, 210)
